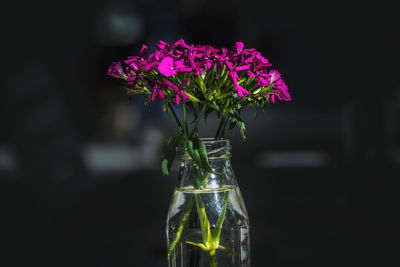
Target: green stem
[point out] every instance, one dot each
(184, 114)
(180, 227)
(221, 218)
(212, 258)
(204, 223)
(176, 118)
(195, 109)
(196, 123)
(219, 128)
(222, 134)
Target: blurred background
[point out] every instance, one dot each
(80, 176)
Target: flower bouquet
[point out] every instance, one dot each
(199, 80)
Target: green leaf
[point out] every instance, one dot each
(192, 98)
(200, 245)
(255, 114)
(169, 152)
(193, 151)
(214, 106)
(232, 123)
(242, 127)
(197, 151)
(228, 251)
(204, 157)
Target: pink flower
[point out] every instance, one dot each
(239, 48)
(240, 90)
(116, 71)
(148, 64)
(282, 90)
(157, 91)
(178, 90)
(162, 45)
(166, 67)
(132, 81)
(263, 80)
(274, 76)
(241, 68)
(182, 43)
(181, 94)
(263, 60)
(180, 66)
(143, 50)
(271, 98)
(280, 87)
(133, 62)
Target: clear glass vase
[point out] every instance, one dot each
(207, 222)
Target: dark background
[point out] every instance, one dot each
(80, 179)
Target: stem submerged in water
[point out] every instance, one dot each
(180, 227)
(213, 258)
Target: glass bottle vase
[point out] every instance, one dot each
(207, 222)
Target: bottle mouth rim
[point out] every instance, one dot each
(216, 148)
(208, 140)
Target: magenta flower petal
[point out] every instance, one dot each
(143, 50)
(132, 79)
(251, 74)
(262, 81)
(274, 76)
(115, 70)
(162, 45)
(184, 83)
(241, 91)
(263, 60)
(166, 67)
(160, 94)
(184, 70)
(182, 43)
(191, 60)
(153, 94)
(157, 91)
(271, 97)
(179, 63)
(172, 55)
(229, 65)
(176, 100)
(250, 58)
(183, 95)
(239, 47)
(170, 84)
(241, 68)
(233, 76)
(283, 90)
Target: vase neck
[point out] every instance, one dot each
(193, 177)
